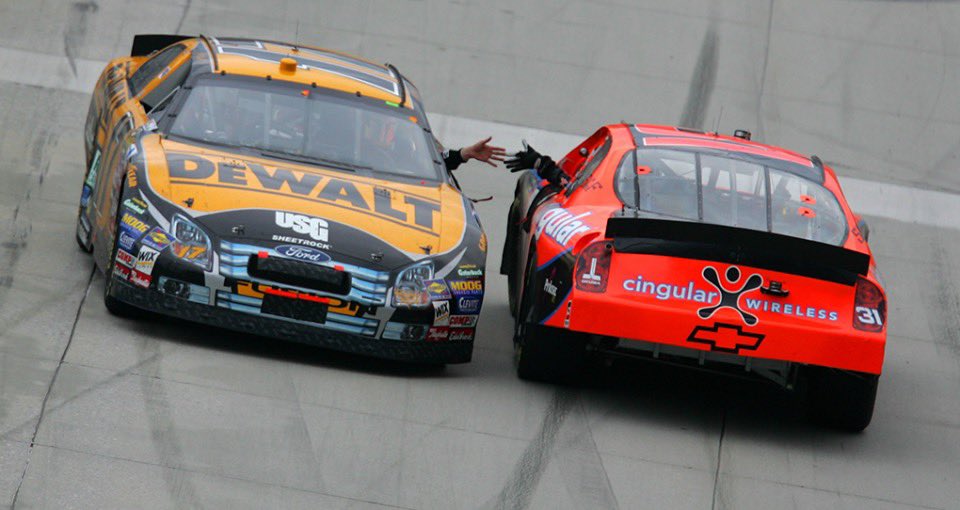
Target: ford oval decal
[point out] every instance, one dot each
(302, 253)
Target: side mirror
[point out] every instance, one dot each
(863, 228)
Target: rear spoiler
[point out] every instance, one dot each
(754, 248)
(145, 44)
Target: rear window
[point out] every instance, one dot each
(718, 188)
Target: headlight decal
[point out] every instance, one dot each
(412, 286)
(190, 243)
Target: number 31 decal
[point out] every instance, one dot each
(869, 316)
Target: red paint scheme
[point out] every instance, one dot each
(826, 339)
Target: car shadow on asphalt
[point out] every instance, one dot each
(685, 398)
(179, 331)
(645, 392)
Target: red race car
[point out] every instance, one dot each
(689, 247)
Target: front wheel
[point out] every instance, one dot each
(114, 305)
(83, 236)
(841, 399)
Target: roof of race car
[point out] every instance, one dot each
(315, 66)
(648, 135)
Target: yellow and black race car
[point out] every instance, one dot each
(279, 189)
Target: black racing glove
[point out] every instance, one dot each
(530, 158)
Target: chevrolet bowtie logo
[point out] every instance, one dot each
(725, 338)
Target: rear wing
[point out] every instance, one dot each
(145, 44)
(754, 248)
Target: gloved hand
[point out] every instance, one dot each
(530, 158)
(523, 160)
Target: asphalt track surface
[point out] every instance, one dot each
(99, 412)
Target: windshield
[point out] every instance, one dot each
(718, 188)
(307, 125)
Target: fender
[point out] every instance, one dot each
(522, 197)
(547, 287)
(103, 245)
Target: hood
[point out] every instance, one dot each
(324, 208)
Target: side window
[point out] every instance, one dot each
(151, 68)
(123, 129)
(163, 92)
(595, 159)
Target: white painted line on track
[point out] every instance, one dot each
(902, 203)
(869, 198)
(48, 71)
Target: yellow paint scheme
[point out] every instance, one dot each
(418, 216)
(117, 115)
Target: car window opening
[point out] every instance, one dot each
(280, 121)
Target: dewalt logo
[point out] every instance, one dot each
(406, 209)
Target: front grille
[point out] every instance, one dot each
(300, 274)
(367, 287)
(333, 320)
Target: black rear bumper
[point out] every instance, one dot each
(397, 350)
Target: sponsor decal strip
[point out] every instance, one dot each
(125, 258)
(468, 304)
(463, 321)
(438, 334)
(437, 289)
(466, 287)
(461, 335)
(441, 313)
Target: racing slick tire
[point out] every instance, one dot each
(511, 253)
(114, 305)
(545, 353)
(841, 399)
(80, 242)
(550, 354)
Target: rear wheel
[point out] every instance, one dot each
(545, 353)
(511, 263)
(840, 398)
(550, 354)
